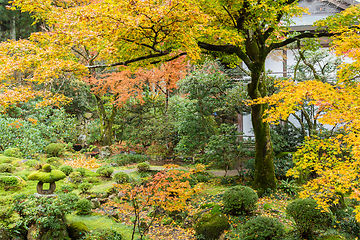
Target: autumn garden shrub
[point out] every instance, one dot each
(13, 152)
(100, 234)
(85, 187)
(66, 169)
(55, 149)
(83, 207)
(211, 226)
(6, 167)
(105, 171)
(56, 161)
(263, 228)
(308, 216)
(121, 177)
(31, 163)
(143, 167)
(240, 200)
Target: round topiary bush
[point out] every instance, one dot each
(121, 177)
(75, 177)
(308, 216)
(105, 171)
(263, 228)
(85, 187)
(211, 226)
(83, 207)
(240, 200)
(55, 149)
(77, 230)
(66, 169)
(143, 167)
(13, 152)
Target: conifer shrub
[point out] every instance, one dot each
(83, 207)
(121, 177)
(143, 167)
(263, 228)
(55, 149)
(13, 152)
(66, 169)
(211, 226)
(75, 177)
(6, 168)
(105, 171)
(85, 187)
(81, 170)
(240, 200)
(308, 216)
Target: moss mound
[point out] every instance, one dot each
(211, 226)
(47, 177)
(77, 230)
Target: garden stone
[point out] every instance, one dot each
(112, 196)
(105, 152)
(82, 140)
(95, 203)
(132, 152)
(114, 165)
(121, 195)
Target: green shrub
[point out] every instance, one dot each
(83, 207)
(240, 200)
(263, 228)
(282, 164)
(66, 169)
(105, 171)
(289, 186)
(55, 149)
(31, 163)
(66, 188)
(13, 152)
(77, 230)
(75, 177)
(121, 177)
(85, 187)
(101, 234)
(93, 180)
(143, 167)
(5, 159)
(211, 226)
(345, 220)
(126, 159)
(81, 170)
(6, 167)
(308, 216)
(56, 161)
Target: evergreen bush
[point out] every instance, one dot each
(308, 216)
(85, 187)
(83, 207)
(6, 167)
(263, 228)
(143, 167)
(121, 177)
(66, 169)
(55, 149)
(13, 152)
(240, 200)
(105, 171)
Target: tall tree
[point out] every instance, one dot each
(249, 30)
(87, 38)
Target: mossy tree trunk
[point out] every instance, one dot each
(106, 121)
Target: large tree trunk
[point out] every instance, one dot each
(264, 155)
(106, 122)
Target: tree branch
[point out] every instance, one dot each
(298, 37)
(230, 49)
(125, 63)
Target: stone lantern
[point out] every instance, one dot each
(46, 175)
